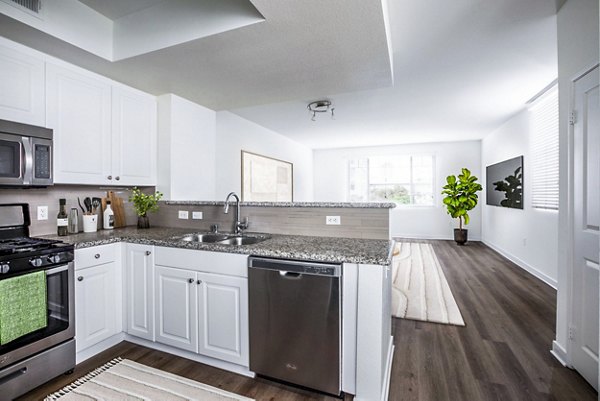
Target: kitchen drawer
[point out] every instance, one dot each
(96, 255)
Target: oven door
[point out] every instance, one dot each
(41, 171)
(61, 318)
(15, 159)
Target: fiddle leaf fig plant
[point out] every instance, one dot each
(144, 203)
(461, 195)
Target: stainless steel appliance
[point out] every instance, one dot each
(25, 155)
(39, 356)
(295, 330)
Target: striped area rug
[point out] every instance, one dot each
(420, 290)
(122, 379)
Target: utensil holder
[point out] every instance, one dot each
(90, 223)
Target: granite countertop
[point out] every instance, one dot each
(362, 205)
(299, 247)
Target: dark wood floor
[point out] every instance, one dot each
(501, 354)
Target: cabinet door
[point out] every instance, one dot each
(140, 290)
(176, 311)
(78, 109)
(21, 87)
(134, 137)
(95, 305)
(223, 314)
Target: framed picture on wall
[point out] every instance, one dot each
(266, 179)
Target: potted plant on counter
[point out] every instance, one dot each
(461, 197)
(143, 203)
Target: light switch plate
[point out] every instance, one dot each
(42, 213)
(333, 220)
(197, 215)
(184, 214)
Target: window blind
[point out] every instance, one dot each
(544, 147)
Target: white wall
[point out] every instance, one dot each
(520, 235)
(330, 175)
(235, 134)
(577, 51)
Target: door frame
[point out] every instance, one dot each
(571, 213)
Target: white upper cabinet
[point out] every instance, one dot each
(78, 110)
(21, 87)
(134, 136)
(104, 132)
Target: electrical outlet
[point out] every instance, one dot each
(42, 213)
(333, 220)
(524, 241)
(197, 215)
(184, 214)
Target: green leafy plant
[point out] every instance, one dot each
(461, 195)
(143, 203)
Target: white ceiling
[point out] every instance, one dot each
(116, 9)
(303, 47)
(461, 68)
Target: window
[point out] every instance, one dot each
(544, 147)
(404, 179)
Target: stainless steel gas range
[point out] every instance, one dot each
(40, 355)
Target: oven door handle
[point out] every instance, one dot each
(27, 160)
(57, 270)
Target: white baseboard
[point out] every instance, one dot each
(388, 371)
(525, 266)
(560, 354)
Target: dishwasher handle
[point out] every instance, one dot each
(289, 267)
(290, 275)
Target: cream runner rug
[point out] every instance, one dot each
(122, 379)
(420, 290)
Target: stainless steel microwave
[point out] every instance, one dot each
(25, 155)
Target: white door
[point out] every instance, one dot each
(134, 131)
(176, 311)
(95, 311)
(78, 109)
(223, 314)
(139, 267)
(22, 92)
(586, 214)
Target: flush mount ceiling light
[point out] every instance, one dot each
(320, 106)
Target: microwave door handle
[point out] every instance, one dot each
(27, 160)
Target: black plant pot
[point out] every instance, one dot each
(460, 236)
(143, 222)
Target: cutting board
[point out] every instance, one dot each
(116, 203)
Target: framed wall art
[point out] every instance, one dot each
(266, 179)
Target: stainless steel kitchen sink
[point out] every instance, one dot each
(225, 239)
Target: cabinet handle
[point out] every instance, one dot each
(80, 278)
(109, 177)
(148, 253)
(190, 280)
(97, 256)
(117, 178)
(199, 282)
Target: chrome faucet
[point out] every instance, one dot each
(239, 226)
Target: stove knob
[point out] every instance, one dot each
(4, 268)
(37, 262)
(54, 258)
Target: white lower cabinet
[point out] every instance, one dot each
(139, 290)
(176, 310)
(223, 317)
(97, 302)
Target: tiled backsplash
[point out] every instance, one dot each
(49, 197)
(355, 222)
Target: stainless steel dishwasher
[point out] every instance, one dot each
(295, 328)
